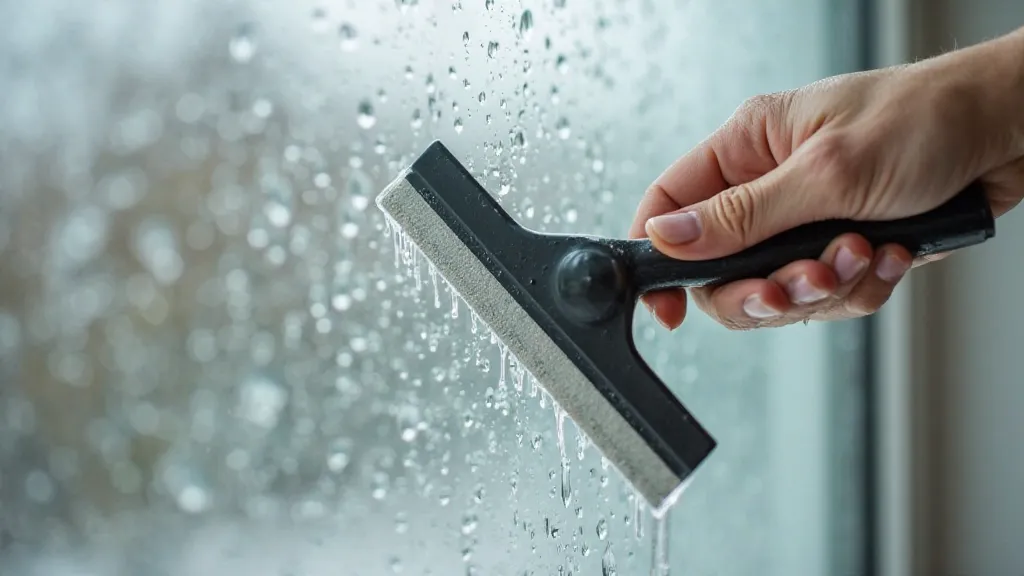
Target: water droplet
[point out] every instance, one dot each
(602, 529)
(396, 565)
(156, 246)
(417, 120)
(571, 215)
(562, 64)
(519, 140)
(261, 401)
(465, 38)
(409, 434)
(193, 499)
(597, 166)
(458, 125)
(364, 115)
(559, 3)
(401, 523)
(39, 487)
(563, 129)
(242, 46)
(488, 4)
(337, 458)
(349, 230)
(608, 562)
(278, 215)
(492, 49)
(469, 523)
(526, 24)
(319, 20)
(482, 97)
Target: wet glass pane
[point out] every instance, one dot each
(214, 361)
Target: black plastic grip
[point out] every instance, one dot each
(963, 221)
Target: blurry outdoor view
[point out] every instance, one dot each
(210, 362)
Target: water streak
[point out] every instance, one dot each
(566, 484)
(437, 291)
(659, 550)
(504, 360)
(638, 516)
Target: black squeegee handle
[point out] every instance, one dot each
(963, 221)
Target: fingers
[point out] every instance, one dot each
(849, 280)
(739, 151)
(889, 266)
(668, 307)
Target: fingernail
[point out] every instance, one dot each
(756, 308)
(654, 312)
(663, 323)
(675, 228)
(891, 268)
(801, 291)
(848, 265)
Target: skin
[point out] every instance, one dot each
(878, 145)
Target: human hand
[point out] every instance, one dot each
(878, 145)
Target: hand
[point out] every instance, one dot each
(879, 145)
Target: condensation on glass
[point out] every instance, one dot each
(212, 359)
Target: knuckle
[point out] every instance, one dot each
(759, 105)
(735, 211)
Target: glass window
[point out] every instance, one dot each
(213, 362)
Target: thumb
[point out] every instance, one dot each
(737, 218)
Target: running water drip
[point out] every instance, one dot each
(455, 302)
(472, 319)
(397, 240)
(608, 562)
(407, 250)
(638, 516)
(581, 444)
(437, 291)
(533, 386)
(504, 360)
(416, 270)
(560, 427)
(519, 373)
(659, 550)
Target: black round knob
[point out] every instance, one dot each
(590, 283)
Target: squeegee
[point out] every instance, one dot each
(564, 304)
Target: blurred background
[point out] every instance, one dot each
(212, 359)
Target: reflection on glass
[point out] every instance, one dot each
(213, 359)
